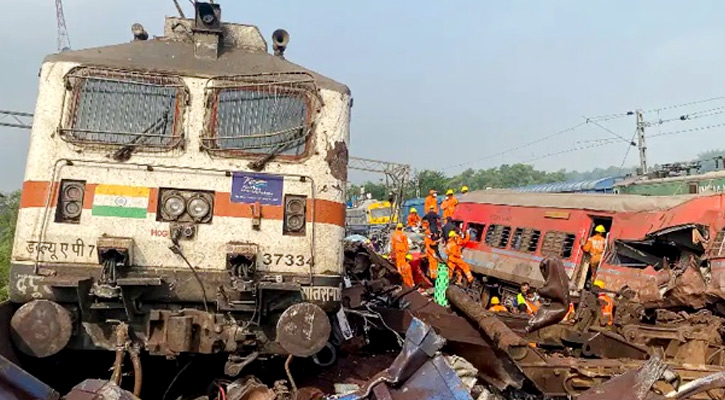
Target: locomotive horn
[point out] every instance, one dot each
(280, 38)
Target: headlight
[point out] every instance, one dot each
(198, 208)
(174, 206)
(72, 209)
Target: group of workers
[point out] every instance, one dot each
(435, 234)
(526, 301)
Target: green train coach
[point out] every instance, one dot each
(711, 182)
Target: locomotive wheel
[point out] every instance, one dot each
(303, 329)
(41, 328)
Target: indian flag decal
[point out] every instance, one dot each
(120, 201)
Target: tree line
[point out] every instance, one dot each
(501, 177)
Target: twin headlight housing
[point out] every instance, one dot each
(185, 205)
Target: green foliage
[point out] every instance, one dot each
(598, 173)
(501, 177)
(8, 216)
(504, 176)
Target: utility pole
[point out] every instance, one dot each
(63, 40)
(641, 144)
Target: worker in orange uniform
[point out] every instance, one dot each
(595, 248)
(464, 189)
(455, 257)
(399, 246)
(406, 270)
(496, 305)
(413, 218)
(431, 201)
(449, 204)
(431, 242)
(606, 302)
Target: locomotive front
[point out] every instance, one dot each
(190, 187)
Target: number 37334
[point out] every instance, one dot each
(285, 259)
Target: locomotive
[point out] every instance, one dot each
(188, 187)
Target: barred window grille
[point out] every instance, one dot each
(558, 244)
(126, 109)
(717, 248)
(267, 115)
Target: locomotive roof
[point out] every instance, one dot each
(244, 52)
(593, 202)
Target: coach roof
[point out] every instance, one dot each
(593, 202)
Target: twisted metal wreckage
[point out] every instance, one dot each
(467, 352)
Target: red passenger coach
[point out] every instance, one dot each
(651, 241)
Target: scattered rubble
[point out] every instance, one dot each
(464, 351)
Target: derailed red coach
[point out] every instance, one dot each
(668, 249)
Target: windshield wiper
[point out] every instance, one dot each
(258, 164)
(124, 153)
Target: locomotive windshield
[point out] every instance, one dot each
(269, 116)
(113, 108)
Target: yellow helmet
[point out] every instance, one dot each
(408, 257)
(413, 210)
(432, 207)
(495, 300)
(600, 229)
(399, 226)
(464, 189)
(449, 192)
(452, 234)
(599, 283)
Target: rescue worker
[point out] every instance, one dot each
(406, 270)
(399, 246)
(605, 301)
(521, 297)
(455, 258)
(431, 242)
(526, 300)
(433, 219)
(496, 305)
(464, 189)
(449, 204)
(448, 227)
(595, 248)
(413, 218)
(431, 201)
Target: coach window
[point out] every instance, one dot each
(533, 242)
(558, 244)
(121, 108)
(498, 236)
(261, 115)
(476, 231)
(516, 240)
(525, 239)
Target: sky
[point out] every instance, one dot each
(449, 85)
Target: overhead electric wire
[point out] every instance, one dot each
(570, 150)
(609, 117)
(626, 153)
(699, 128)
(684, 104)
(519, 147)
(607, 129)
